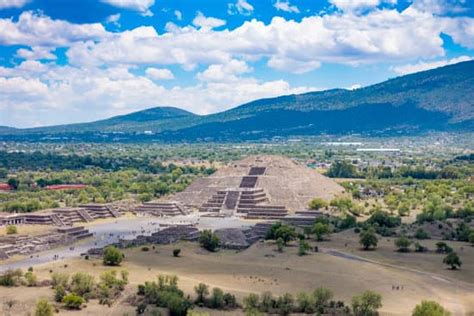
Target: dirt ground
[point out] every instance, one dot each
(342, 268)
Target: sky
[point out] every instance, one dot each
(68, 61)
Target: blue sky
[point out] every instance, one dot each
(66, 61)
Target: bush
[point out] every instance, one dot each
(442, 247)
(303, 248)
(286, 233)
(145, 248)
(82, 284)
(429, 308)
(421, 234)
(403, 244)
(59, 293)
(59, 279)
(452, 260)
(208, 240)
(112, 256)
(322, 296)
(217, 298)
(368, 239)
(202, 290)
(251, 302)
(43, 308)
(10, 277)
(420, 248)
(317, 203)
(11, 230)
(321, 229)
(366, 304)
(31, 279)
(176, 252)
(73, 301)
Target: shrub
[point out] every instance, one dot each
(317, 203)
(303, 248)
(43, 308)
(82, 284)
(280, 244)
(217, 298)
(208, 240)
(366, 304)
(11, 230)
(286, 233)
(59, 279)
(176, 252)
(202, 290)
(421, 234)
(321, 229)
(59, 293)
(368, 239)
(420, 248)
(10, 277)
(73, 301)
(322, 296)
(251, 302)
(112, 256)
(31, 279)
(145, 248)
(403, 244)
(305, 303)
(442, 247)
(452, 260)
(429, 308)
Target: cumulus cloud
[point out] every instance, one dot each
(207, 22)
(423, 65)
(35, 53)
(224, 72)
(159, 73)
(141, 6)
(34, 29)
(241, 7)
(113, 19)
(76, 93)
(284, 5)
(5, 4)
(441, 7)
(178, 15)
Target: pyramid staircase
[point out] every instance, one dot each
(162, 209)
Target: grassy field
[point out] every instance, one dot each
(261, 268)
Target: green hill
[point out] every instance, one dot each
(441, 99)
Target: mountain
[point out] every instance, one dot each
(440, 99)
(6, 129)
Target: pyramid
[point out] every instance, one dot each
(272, 182)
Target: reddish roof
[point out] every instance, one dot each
(66, 187)
(5, 187)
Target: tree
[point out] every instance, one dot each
(471, 238)
(366, 304)
(208, 240)
(43, 308)
(303, 247)
(31, 279)
(82, 284)
(442, 247)
(305, 303)
(286, 233)
(453, 260)
(251, 302)
(112, 256)
(12, 230)
(280, 244)
(176, 252)
(13, 183)
(202, 290)
(368, 239)
(317, 203)
(73, 301)
(403, 244)
(217, 298)
(322, 296)
(430, 308)
(342, 169)
(321, 229)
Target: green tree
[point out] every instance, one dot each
(112, 256)
(280, 244)
(430, 308)
(176, 252)
(342, 169)
(286, 232)
(82, 284)
(303, 247)
(368, 239)
(321, 229)
(322, 296)
(403, 244)
(202, 290)
(31, 279)
(217, 298)
(208, 240)
(471, 238)
(366, 304)
(452, 260)
(251, 302)
(317, 203)
(43, 308)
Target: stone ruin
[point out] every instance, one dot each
(161, 208)
(26, 244)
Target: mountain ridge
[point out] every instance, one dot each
(438, 99)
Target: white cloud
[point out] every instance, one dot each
(241, 7)
(114, 19)
(159, 73)
(207, 22)
(357, 5)
(422, 65)
(5, 4)
(178, 14)
(142, 6)
(35, 53)
(85, 94)
(441, 7)
(34, 29)
(284, 5)
(224, 72)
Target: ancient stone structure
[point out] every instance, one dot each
(167, 235)
(259, 187)
(171, 208)
(26, 244)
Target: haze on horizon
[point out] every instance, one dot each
(88, 60)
